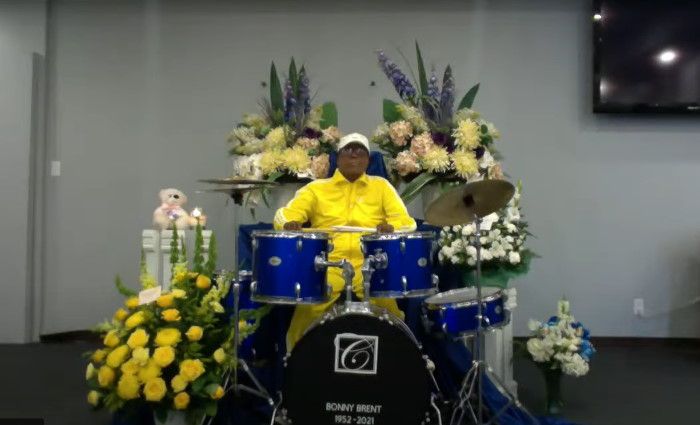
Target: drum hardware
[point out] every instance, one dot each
(470, 203)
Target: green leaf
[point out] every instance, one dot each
(210, 408)
(422, 77)
(468, 99)
(329, 115)
(276, 98)
(414, 187)
(293, 77)
(122, 288)
(391, 111)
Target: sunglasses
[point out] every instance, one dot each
(353, 149)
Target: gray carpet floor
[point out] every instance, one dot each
(626, 385)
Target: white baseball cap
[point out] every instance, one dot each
(353, 138)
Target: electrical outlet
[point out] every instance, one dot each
(639, 306)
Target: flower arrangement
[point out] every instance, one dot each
(172, 354)
(503, 251)
(560, 345)
(290, 139)
(429, 140)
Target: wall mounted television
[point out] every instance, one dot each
(646, 56)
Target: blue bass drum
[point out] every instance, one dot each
(409, 270)
(284, 270)
(455, 312)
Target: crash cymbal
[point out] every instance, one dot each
(463, 203)
(239, 181)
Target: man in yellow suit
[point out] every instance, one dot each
(349, 198)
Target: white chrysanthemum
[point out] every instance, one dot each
(436, 160)
(514, 257)
(466, 114)
(275, 139)
(271, 161)
(575, 365)
(296, 160)
(539, 351)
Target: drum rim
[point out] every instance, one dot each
(289, 234)
(466, 303)
(245, 273)
(413, 293)
(398, 235)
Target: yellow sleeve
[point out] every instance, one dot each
(395, 211)
(298, 209)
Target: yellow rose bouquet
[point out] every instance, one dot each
(173, 353)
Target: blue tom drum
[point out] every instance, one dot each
(409, 270)
(455, 312)
(284, 269)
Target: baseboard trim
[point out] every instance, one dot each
(71, 336)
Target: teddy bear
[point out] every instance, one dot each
(171, 210)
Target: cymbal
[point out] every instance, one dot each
(239, 181)
(464, 203)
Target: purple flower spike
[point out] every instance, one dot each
(398, 79)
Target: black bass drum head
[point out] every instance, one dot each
(356, 369)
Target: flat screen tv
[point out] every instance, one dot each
(646, 56)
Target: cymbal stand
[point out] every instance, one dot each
(472, 385)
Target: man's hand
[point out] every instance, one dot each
(292, 225)
(385, 228)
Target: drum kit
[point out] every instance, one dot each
(360, 364)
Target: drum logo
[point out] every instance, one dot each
(356, 354)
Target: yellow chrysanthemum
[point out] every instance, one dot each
(296, 159)
(105, 376)
(99, 355)
(179, 383)
(165, 300)
(150, 371)
(111, 339)
(138, 338)
(194, 333)
(275, 139)
(271, 161)
(436, 160)
(191, 369)
(128, 387)
(215, 391)
(135, 320)
(132, 302)
(465, 164)
(118, 356)
(181, 401)
(467, 134)
(168, 337)
(131, 367)
(163, 356)
(219, 355)
(140, 355)
(203, 282)
(170, 315)
(154, 389)
(178, 293)
(179, 276)
(93, 398)
(120, 315)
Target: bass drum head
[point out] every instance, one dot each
(356, 369)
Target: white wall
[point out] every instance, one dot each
(144, 93)
(22, 33)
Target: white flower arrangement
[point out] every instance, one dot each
(503, 251)
(561, 343)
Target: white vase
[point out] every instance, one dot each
(175, 417)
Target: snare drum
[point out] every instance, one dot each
(284, 270)
(455, 312)
(409, 270)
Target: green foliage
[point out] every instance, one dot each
(468, 99)
(422, 77)
(210, 266)
(198, 259)
(174, 248)
(293, 76)
(122, 289)
(390, 111)
(414, 188)
(329, 116)
(276, 98)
